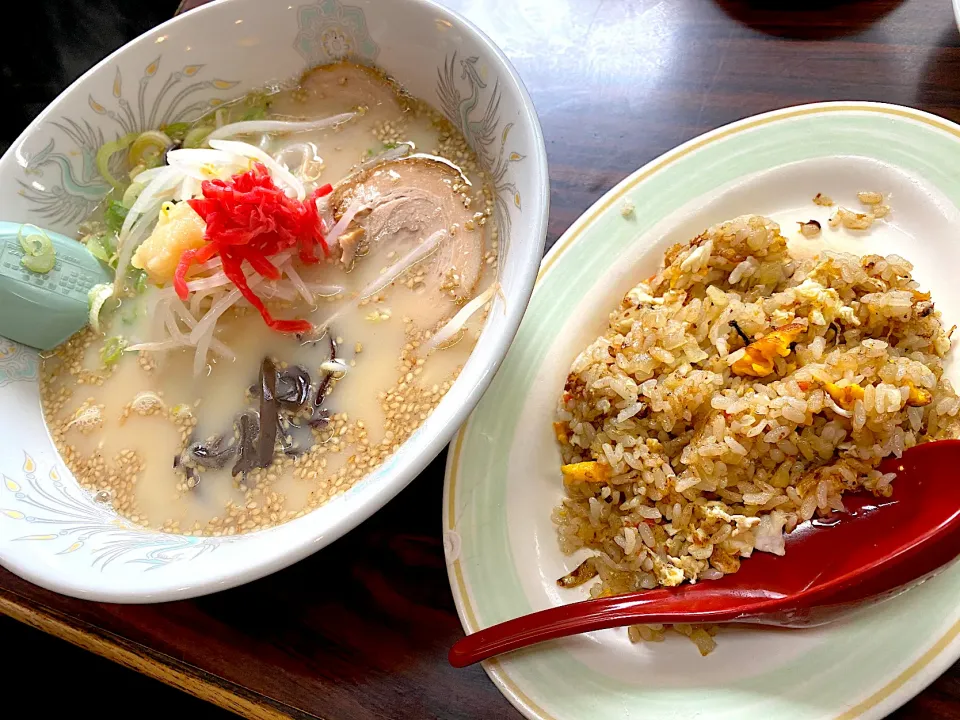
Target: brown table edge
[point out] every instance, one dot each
(146, 661)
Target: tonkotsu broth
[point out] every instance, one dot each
(119, 428)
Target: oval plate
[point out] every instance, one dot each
(503, 475)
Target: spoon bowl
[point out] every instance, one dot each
(874, 550)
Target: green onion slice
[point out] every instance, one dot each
(38, 253)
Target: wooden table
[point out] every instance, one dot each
(361, 629)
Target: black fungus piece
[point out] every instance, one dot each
(285, 428)
(289, 434)
(190, 473)
(320, 417)
(293, 387)
(214, 453)
(192, 476)
(322, 388)
(269, 412)
(248, 428)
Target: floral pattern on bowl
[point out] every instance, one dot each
(58, 535)
(155, 99)
(17, 363)
(60, 513)
(330, 31)
(477, 116)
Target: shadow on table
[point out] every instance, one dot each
(375, 599)
(938, 85)
(808, 19)
(76, 689)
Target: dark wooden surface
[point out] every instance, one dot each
(361, 629)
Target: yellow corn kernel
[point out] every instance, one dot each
(590, 471)
(758, 358)
(844, 396)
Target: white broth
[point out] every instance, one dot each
(165, 444)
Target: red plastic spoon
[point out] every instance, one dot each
(875, 549)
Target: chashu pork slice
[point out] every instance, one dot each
(346, 86)
(406, 201)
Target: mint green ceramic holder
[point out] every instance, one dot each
(42, 310)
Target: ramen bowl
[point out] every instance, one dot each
(58, 535)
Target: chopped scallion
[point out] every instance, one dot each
(115, 214)
(112, 350)
(257, 113)
(131, 194)
(148, 148)
(98, 295)
(38, 253)
(100, 247)
(176, 131)
(140, 282)
(42, 264)
(196, 136)
(107, 151)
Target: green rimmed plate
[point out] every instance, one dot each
(502, 473)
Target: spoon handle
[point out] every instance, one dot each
(653, 606)
(38, 308)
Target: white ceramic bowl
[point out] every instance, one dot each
(52, 532)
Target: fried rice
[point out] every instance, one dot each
(737, 393)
